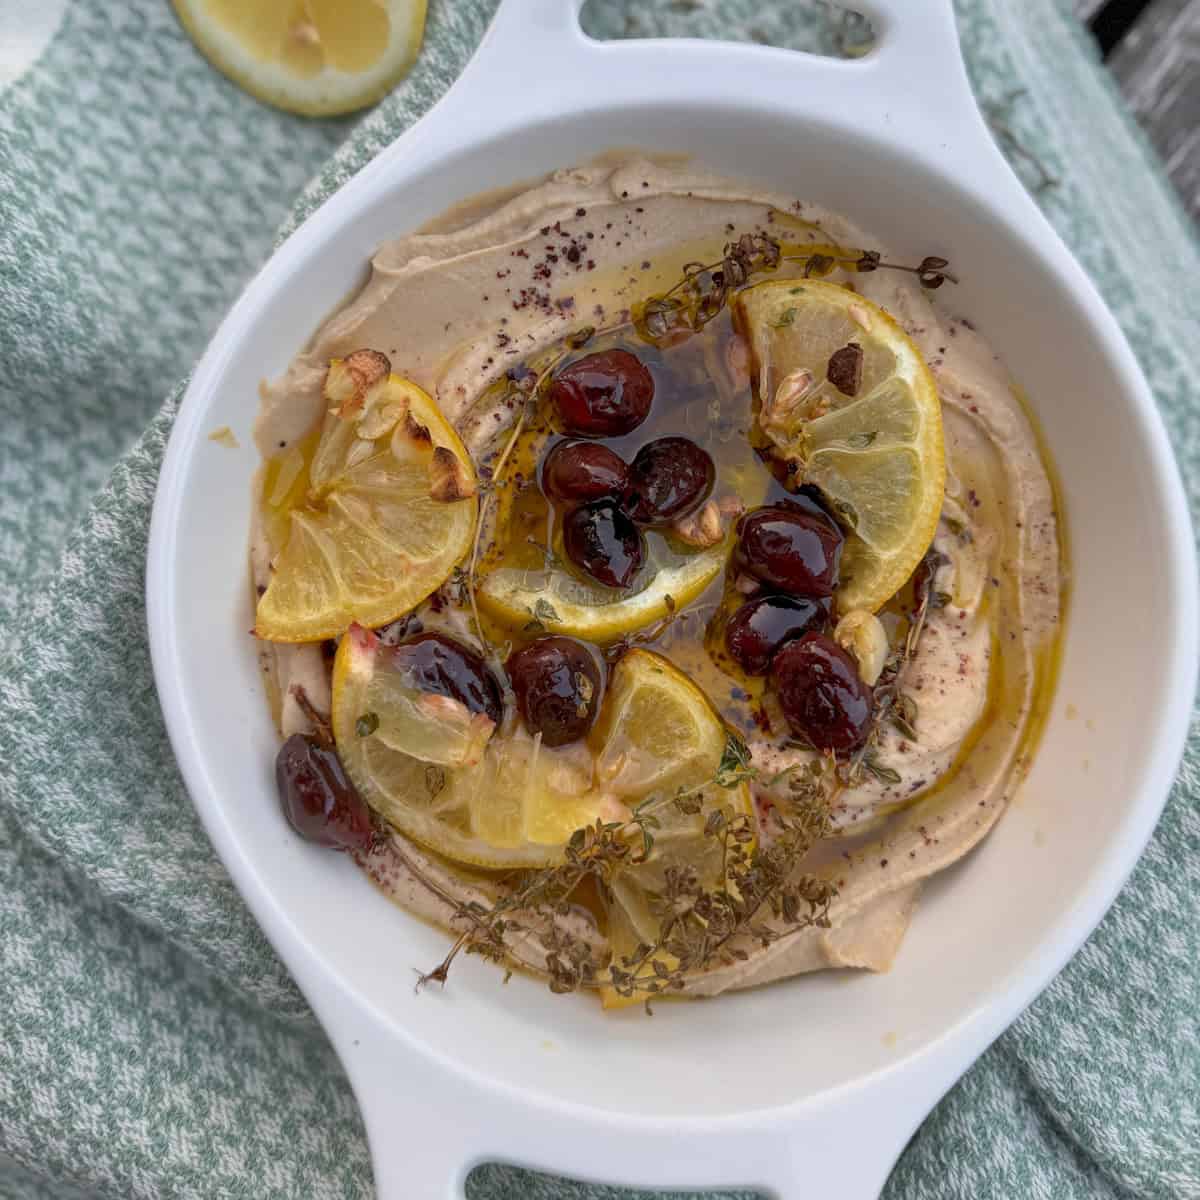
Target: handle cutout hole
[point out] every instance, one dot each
(815, 26)
(501, 1181)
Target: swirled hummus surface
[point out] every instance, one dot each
(497, 282)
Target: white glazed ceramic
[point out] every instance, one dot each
(813, 1086)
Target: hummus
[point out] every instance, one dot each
(499, 280)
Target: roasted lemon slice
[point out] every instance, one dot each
(488, 800)
(564, 603)
(315, 57)
(388, 510)
(846, 397)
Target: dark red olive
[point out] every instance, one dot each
(760, 627)
(603, 395)
(821, 693)
(790, 549)
(319, 801)
(557, 684)
(601, 540)
(433, 662)
(669, 478)
(574, 471)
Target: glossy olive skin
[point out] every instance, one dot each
(576, 471)
(606, 394)
(821, 694)
(433, 662)
(556, 681)
(806, 500)
(668, 478)
(318, 799)
(757, 631)
(790, 549)
(603, 542)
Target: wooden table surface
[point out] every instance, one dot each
(1153, 49)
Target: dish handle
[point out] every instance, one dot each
(911, 88)
(430, 1126)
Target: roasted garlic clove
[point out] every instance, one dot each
(707, 525)
(862, 634)
(411, 441)
(448, 477)
(349, 380)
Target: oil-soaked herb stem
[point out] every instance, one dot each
(761, 896)
(529, 395)
(706, 288)
(890, 705)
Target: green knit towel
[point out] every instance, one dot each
(151, 1045)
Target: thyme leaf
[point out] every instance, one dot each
(735, 764)
(881, 771)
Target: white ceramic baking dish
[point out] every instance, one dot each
(810, 1087)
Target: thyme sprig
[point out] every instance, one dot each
(762, 895)
(594, 852)
(650, 635)
(931, 271)
(526, 390)
(321, 728)
(891, 705)
(705, 288)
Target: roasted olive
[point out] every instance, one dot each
(821, 694)
(760, 627)
(669, 478)
(318, 799)
(556, 681)
(575, 471)
(602, 541)
(790, 549)
(603, 395)
(433, 662)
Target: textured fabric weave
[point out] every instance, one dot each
(150, 1043)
